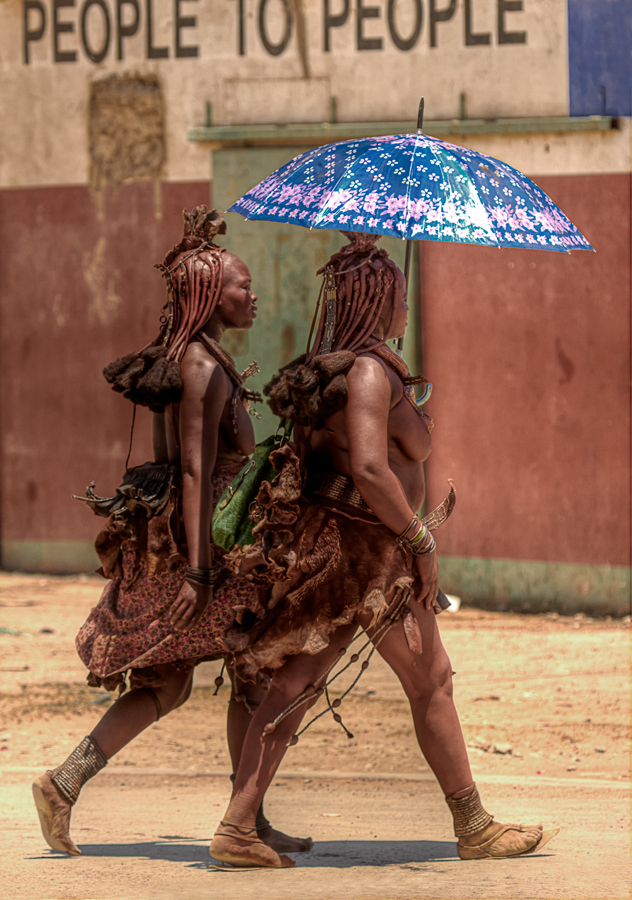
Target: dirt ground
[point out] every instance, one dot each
(544, 702)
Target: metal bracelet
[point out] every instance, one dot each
(402, 536)
(84, 763)
(427, 546)
(470, 816)
(204, 577)
(421, 535)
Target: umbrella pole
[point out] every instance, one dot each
(409, 243)
(409, 253)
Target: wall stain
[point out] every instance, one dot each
(567, 365)
(100, 280)
(288, 344)
(236, 341)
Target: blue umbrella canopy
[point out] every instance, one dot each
(414, 187)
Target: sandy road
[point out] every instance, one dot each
(552, 694)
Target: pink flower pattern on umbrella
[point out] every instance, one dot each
(412, 186)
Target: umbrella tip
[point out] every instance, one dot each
(420, 116)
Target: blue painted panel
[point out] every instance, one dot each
(600, 57)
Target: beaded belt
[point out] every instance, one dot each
(338, 487)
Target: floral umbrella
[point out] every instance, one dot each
(412, 186)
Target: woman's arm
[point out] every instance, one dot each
(159, 438)
(205, 390)
(366, 412)
(366, 416)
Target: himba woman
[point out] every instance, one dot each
(339, 545)
(168, 605)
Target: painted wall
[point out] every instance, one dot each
(264, 61)
(600, 57)
(527, 351)
(530, 354)
(78, 290)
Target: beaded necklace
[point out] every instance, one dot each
(228, 365)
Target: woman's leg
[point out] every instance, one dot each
(235, 841)
(245, 697)
(56, 792)
(427, 681)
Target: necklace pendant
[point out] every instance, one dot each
(252, 369)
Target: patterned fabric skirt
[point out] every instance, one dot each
(318, 564)
(129, 631)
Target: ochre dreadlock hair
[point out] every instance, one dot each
(314, 387)
(363, 276)
(193, 270)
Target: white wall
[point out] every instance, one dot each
(44, 102)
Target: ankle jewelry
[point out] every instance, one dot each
(468, 812)
(84, 763)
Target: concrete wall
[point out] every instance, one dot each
(530, 355)
(219, 57)
(78, 290)
(528, 351)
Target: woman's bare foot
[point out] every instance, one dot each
(498, 841)
(283, 843)
(237, 846)
(54, 811)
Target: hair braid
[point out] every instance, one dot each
(194, 271)
(314, 387)
(364, 275)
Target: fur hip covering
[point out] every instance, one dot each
(129, 630)
(317, 565)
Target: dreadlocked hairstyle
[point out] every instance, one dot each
(363, 276)
(193, 270)
(314, 386)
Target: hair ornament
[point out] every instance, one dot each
(203, 222)
(360, 242)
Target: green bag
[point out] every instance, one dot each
(231, 519)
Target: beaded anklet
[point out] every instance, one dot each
(469, 813)
(84, 763)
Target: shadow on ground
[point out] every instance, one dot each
(326, 854)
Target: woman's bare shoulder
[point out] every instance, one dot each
(372, 372)
(368, 363)
(198, 366)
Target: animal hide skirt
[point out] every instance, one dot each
(317, 564)
(128, 632)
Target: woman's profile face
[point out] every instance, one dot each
(237, 304)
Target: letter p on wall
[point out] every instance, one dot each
(34, 24)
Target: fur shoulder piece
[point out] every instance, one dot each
(147, 378)
(308, 393)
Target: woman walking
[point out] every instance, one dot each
(339, 545)
(168, 603)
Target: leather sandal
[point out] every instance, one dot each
(485, 850)
(232, 859)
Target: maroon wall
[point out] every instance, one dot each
(63, 261)
(529, 353)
